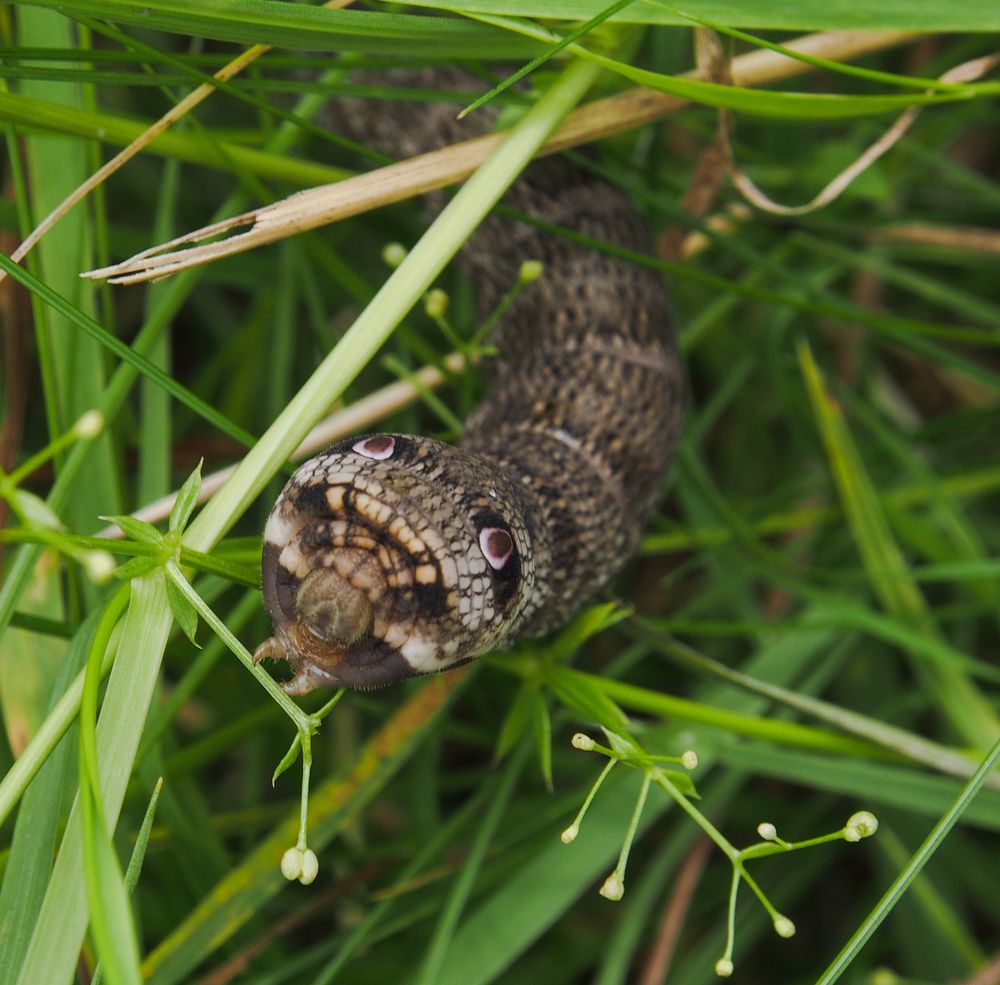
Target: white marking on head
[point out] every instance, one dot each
(378, 446)
(420, 654)
(280, 528)
(497, 546)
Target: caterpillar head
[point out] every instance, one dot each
(390, 556)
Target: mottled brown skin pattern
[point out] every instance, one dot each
(432, 555)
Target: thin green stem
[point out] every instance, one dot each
(633, 825)
(734, 888)
(608, 767)
(303, 722)
(904, 880)
(730, 851)
(305, 740)
(53, 448)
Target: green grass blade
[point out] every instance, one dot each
(238, 897)
(862, 783)
(804, 15)
(192, 147)
(965, 707)
(35, 836)
(128, 354)
(62, 921)
(440, 943)
(299, 26)
(902, 882)
(138, 855)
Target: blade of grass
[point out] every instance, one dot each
(813, 15)
(62, 920)
(458, 897)
(677, 709)
(286, 25)
(128, 354)
(760, 102)
(967, 484)
(138, 855)
(107, 901)
(240, 895)
(35, 836)
(891, 785)
(905, 743)
(903, 881)
(39, 114)
(946, 686)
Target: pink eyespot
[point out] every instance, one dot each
(377, 446)
(497, 546)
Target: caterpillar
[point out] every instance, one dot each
(392, 555)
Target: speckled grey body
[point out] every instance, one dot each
(435, 554)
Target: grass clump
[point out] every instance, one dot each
(808, 628)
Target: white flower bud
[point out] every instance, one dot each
(613, 888)
(310, 867)
(689, 759)
(862, 824)
(569, 835)
(723, 967)
(767, 831)
(784, 927)
(89, 425)
(393, 254)
(99, 565)
(584, 742)
(291, 864)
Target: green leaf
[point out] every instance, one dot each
(524, 70)
(289, 25)
(904, 880)
(184, 612)
(35, 835)
(593, 620)
(515, 722)
(542, 727)
(287, 760)
(134, 869)
(578, 693)
(237, 899)
(58, 933)
(958, 697)
(777, 105)
(536, 893)
(803, 15)
(760, 102)
(81, 320)
(138, 530)
(24, 111)
(110, 913)
(683, 782)
(187, 500)
(137, 567)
